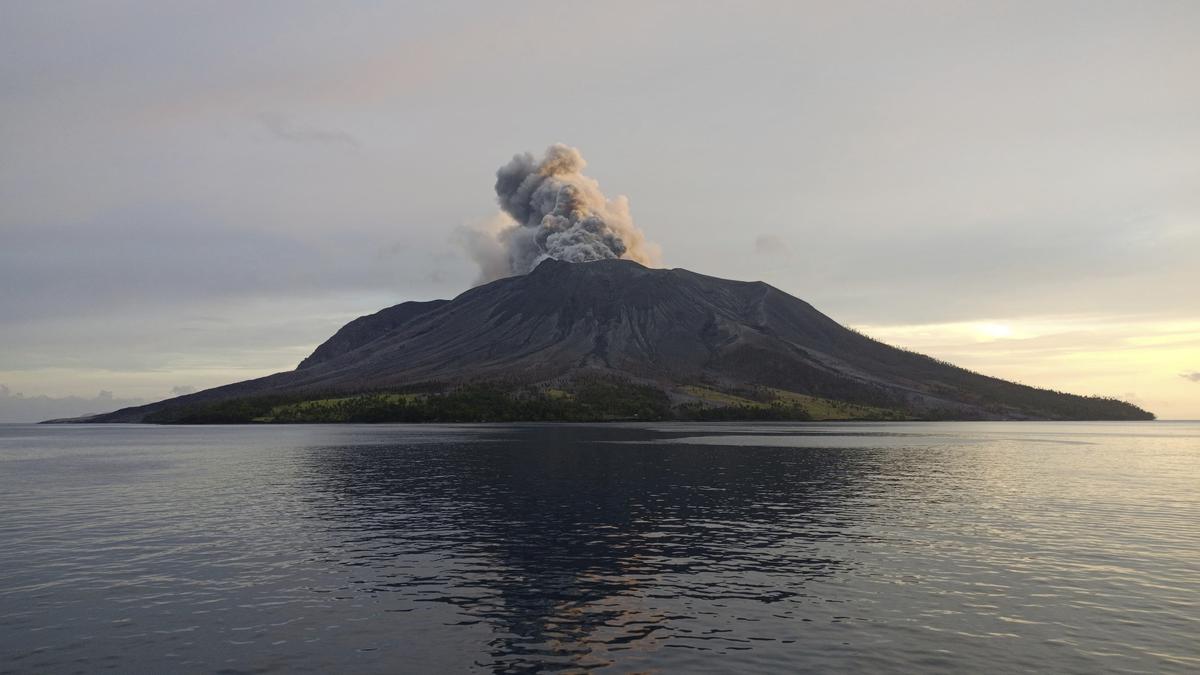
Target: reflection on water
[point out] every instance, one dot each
(564, 547)
(901, 547)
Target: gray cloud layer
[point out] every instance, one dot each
(925, 164)
(283, 128)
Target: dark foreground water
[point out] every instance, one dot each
(909, 547)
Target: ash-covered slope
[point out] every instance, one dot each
(667, 328)
(368, 328)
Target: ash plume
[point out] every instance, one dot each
(551, 210)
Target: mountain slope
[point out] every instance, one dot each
(668, 329)
(366, 329)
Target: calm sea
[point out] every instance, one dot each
(911, 547)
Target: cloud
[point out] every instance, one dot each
(16, 407)
(182, 390)
(283, 128)
(769, 244)
(143, 189)
(176, 257)
(1193, 376)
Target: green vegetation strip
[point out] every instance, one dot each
(585, 400)
(769, 403)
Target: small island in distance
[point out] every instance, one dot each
(613, 340)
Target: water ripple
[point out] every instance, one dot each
(705, 548)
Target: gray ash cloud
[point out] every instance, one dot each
(551, 210)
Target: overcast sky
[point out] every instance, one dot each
(195, 193)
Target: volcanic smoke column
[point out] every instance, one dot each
(554, 211)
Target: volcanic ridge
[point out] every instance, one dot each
(612, 339)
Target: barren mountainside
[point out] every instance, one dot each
(700, 340)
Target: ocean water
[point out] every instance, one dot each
(908, 547)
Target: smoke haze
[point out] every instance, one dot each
(551, 210)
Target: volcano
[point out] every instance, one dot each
(699, 344)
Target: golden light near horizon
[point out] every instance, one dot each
(1143, 360)
(995, 330)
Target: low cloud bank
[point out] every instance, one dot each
(17, 407)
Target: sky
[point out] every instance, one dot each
(194, 193)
